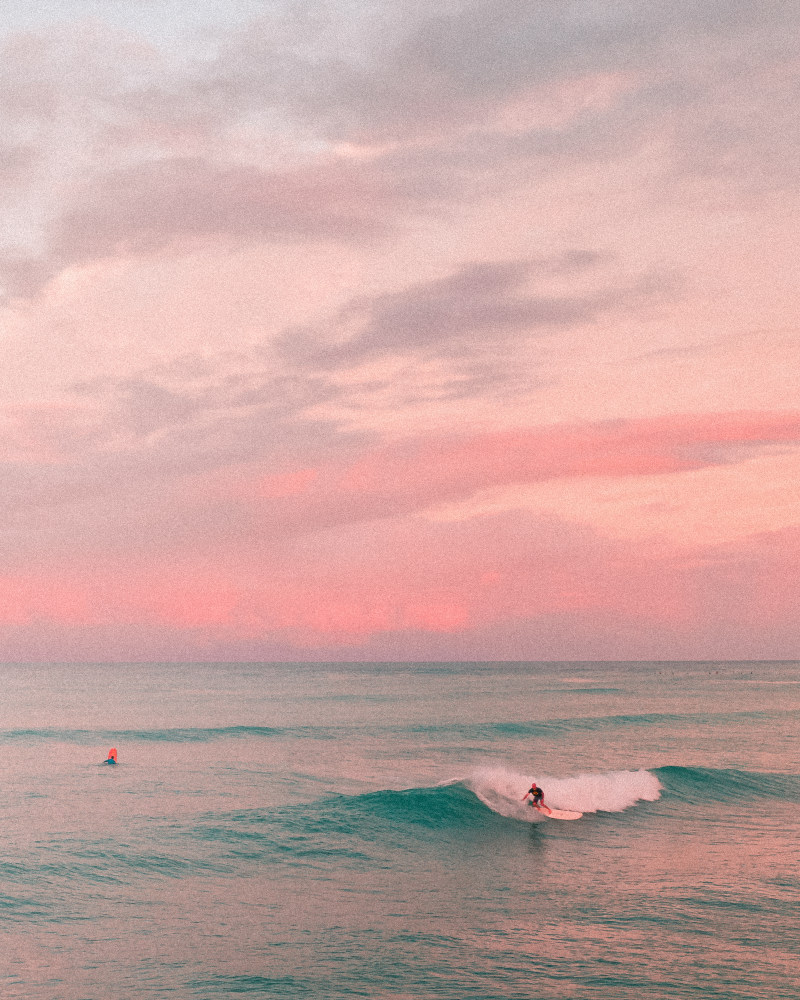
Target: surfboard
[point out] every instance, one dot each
(559, 813)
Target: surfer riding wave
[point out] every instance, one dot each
(537, 798)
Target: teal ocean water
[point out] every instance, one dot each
(326, 831)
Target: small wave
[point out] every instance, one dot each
(592, 724)
(348, 826)
(442, 806)
(695, 785)
(502, 789)
(175, 735)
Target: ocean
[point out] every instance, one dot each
(358, 830)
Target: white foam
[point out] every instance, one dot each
(502, 789)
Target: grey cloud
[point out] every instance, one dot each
(480, 305)
(197, 403)
(483, 299)
(147, 407)
(16, 161)
(200, 414)
(23, 277)
(712, 82)
(149, 137)
(444, 69)
(166, 203)
(147, 206)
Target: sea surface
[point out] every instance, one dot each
(334, 831)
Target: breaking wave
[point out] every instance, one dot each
(502, 790)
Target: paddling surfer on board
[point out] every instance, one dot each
(112, 756)
(537, 797)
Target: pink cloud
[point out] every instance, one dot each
(48, 431)
(501, 572)
(287, 484)
(335, 558)
(510, 571)
(80, 598)
(27, 599)
(415, 475)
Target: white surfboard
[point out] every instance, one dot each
(558, 813)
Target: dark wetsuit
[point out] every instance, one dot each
(537, 796)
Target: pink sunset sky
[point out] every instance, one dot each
(400, 330)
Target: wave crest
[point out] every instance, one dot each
(502, 789)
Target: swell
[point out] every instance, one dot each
(52, 881)
(434, 808)
(488, 730)
(599, 723)
(171, 735)
(695, 785)
(344, 826)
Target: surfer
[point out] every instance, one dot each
(537, 797)
(112, 756)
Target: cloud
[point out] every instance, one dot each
(317, 124)
(418, 475)
(181, 204)
(16, 161)
(422, 69)
(246, 436)
(152, 461)
(506, 586)
(478, 306)
(416, 173)
(153, 204)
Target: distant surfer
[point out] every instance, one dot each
(537, 797)
(112, 756)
